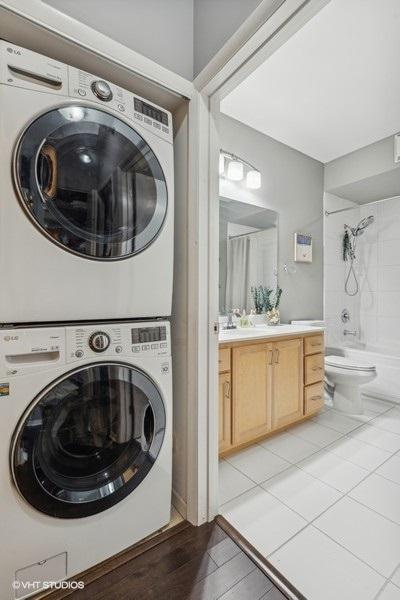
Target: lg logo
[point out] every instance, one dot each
(12, 51)
(10, 338)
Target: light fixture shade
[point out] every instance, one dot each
(235, 170)
(253, 179)
(221, 164)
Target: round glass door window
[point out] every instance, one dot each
(89, 440)
(91, 183)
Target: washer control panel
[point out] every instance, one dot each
(142, 340)
(86, 86)
(102, 90)
(152, 117)
(99, 341)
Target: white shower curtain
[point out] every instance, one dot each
(237, 282)
(251, 261)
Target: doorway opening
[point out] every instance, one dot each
(308, 416)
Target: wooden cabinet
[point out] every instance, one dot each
(313, 368)
(313, 344)
(224, 361)
(287, 395)
(313, 398)
(265, 386)
(225, 412)
(251, 399)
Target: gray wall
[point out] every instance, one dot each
(292, 184)
(181, 35)
(365, 163)
(159, 29)
(214, 23)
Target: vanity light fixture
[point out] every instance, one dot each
(253, 179)
(236, 169)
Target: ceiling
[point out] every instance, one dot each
(333, 87)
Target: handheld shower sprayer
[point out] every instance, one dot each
(350, 251)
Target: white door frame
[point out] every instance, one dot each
(224, 73)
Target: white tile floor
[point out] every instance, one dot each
(322, 502)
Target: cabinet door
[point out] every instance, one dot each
(225, 413)
(251, 401)
(287, 395)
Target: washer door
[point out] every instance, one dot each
(89, 440)
(91, 183)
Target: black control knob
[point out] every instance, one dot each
(102, 90)
(99, 341)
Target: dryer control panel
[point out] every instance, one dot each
(29, 70)
(141, 340)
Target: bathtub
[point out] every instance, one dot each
(386, 386)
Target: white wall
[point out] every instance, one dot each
(159, 29)
(380, 275)
(292, 185)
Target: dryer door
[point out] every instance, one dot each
(91, 183)
(88, 440)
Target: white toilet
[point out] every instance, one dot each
(347, 376)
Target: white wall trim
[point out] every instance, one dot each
(244, 35)
(251, 44)
(70, 29)
(197, 484)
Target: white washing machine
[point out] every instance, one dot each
(86, 196)
(85, 449)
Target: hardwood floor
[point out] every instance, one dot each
(198, 563)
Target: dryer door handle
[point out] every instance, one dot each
(49, 154)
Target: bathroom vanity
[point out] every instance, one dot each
(269, 379)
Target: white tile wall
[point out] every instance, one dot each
(375, 312)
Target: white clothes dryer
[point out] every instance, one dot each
(86, 446)
(86, 196)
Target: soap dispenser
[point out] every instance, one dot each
(244, 320)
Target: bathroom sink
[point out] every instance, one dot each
(264, 331)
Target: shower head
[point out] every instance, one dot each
(361, 227)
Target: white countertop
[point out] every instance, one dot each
(264, 331)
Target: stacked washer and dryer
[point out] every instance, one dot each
(86, 261)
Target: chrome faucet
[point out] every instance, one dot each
(348, 332)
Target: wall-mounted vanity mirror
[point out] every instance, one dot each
(248, 252)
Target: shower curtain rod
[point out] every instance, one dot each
(233, 237)
(334, 212)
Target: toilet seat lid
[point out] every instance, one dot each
(344, 362)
